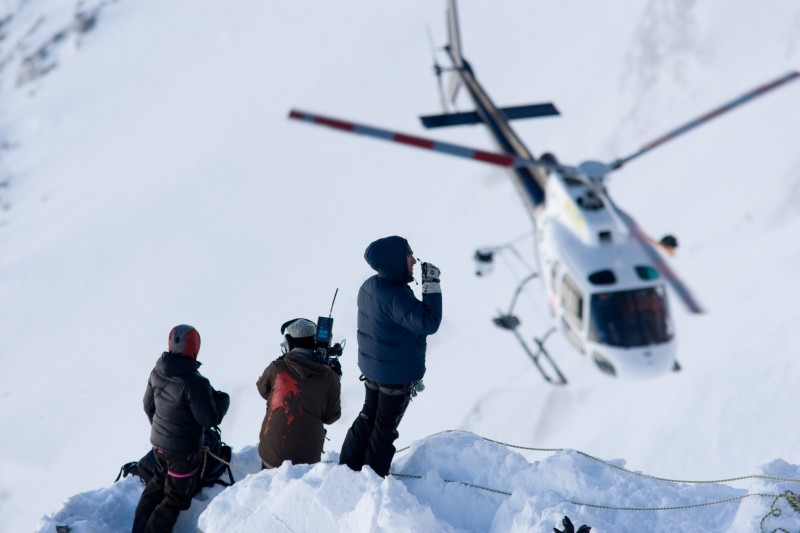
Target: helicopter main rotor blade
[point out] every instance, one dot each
(680, 288)
(692, 124)
(503, 160)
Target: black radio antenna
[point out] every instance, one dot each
(333, 302)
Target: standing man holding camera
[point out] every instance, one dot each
(302, 388)
(392, 329)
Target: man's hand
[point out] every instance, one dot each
(430, 274)
(430, 279)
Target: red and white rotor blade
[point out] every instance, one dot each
(466, 152)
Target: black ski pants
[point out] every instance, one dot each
(370, 439)
(168, 492)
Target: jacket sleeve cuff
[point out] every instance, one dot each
(431, 287)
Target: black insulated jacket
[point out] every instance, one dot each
(179, 403)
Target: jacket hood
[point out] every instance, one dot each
(387, 256)
(304, 363)
(170, 364)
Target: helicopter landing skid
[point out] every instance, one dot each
(510, 322)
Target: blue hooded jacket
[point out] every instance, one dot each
(392, 323)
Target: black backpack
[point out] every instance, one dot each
(209, 475)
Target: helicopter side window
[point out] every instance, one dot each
(602, 277)
(572, 301)
(646, 272)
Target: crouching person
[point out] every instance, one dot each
(179, 403)
(303, 393)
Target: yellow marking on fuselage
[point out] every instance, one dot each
(574, 213)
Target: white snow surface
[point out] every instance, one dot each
(149, 177)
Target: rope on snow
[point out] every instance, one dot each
(792, 499)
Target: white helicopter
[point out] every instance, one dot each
(604, 279)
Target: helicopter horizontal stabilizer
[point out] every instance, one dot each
(472, 117)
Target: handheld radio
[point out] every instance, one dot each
(324, 334)
(324, 337)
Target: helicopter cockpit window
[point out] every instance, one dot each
(630, 318)
(572, 301)
(602, 277)
(646, 272)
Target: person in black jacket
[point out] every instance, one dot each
(392, 329)
(179, 403)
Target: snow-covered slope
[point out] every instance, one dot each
(455, 481)
(150, 177)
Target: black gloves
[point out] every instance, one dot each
(220, 396)
(430, 279)
(222, 401)
(569, 528)
(336, 366)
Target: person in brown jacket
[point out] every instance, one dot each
(302, 393)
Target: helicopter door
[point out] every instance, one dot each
(572, 315)
(552, 287)
(554, 275)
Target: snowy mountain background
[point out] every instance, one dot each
(149, 177)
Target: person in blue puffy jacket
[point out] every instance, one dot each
(393, 326)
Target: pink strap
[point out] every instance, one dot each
(182, 475)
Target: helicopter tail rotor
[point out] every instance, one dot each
(437, 70)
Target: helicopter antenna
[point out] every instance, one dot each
(437, 69)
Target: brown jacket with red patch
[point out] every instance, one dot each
(302, 395)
